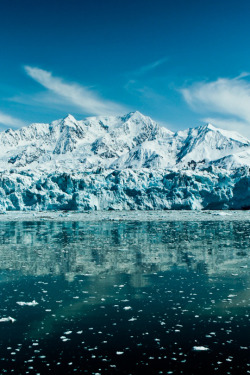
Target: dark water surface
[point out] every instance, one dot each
(125, 298)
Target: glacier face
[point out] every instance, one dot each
(127, 189)
(122, 162)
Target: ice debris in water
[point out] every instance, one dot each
(33, 303)
(8, 319)
(200, 348)
(222, 213)
(127, 308)
(67, 332)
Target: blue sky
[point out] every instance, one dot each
(181, 62)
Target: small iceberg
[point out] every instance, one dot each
(9, 319)
(200, 348)
(33, 303)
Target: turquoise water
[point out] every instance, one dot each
(125, 297)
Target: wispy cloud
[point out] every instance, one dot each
(227, 101)
(149, 67)
(85, 99)
(9, 121)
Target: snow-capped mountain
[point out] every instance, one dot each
(122, 162)
(130, 141)
(210, 143)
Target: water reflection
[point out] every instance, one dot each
(124, 297)
(137, 248)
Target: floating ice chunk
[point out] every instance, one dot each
(127, 308)
(9, 319)
(119, 353)
(222, 213)
(200, 348)
(33, 303)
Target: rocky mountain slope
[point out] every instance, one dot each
(126, 162)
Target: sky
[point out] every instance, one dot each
(183, 63)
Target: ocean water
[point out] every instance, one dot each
(127, 297)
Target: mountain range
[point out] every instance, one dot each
(119, 142)
(122, 163)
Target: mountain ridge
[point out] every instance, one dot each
(122, 163)
(118, 142)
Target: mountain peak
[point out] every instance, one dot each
(134, 116)
(132, 140)
(210, 126)
(230, 134)
(70, 118)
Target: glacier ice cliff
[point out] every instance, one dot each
(122, 163)
(125, 190)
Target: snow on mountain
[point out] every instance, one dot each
(234, 161)
(130, 141)
(97, 141)
(209, 143)
(122, 162)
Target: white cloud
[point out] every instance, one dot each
(228, 98)
(9, 121)
(83, 98)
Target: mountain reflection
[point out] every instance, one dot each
(136, 248)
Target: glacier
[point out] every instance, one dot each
(122, 163)
(126, 189)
